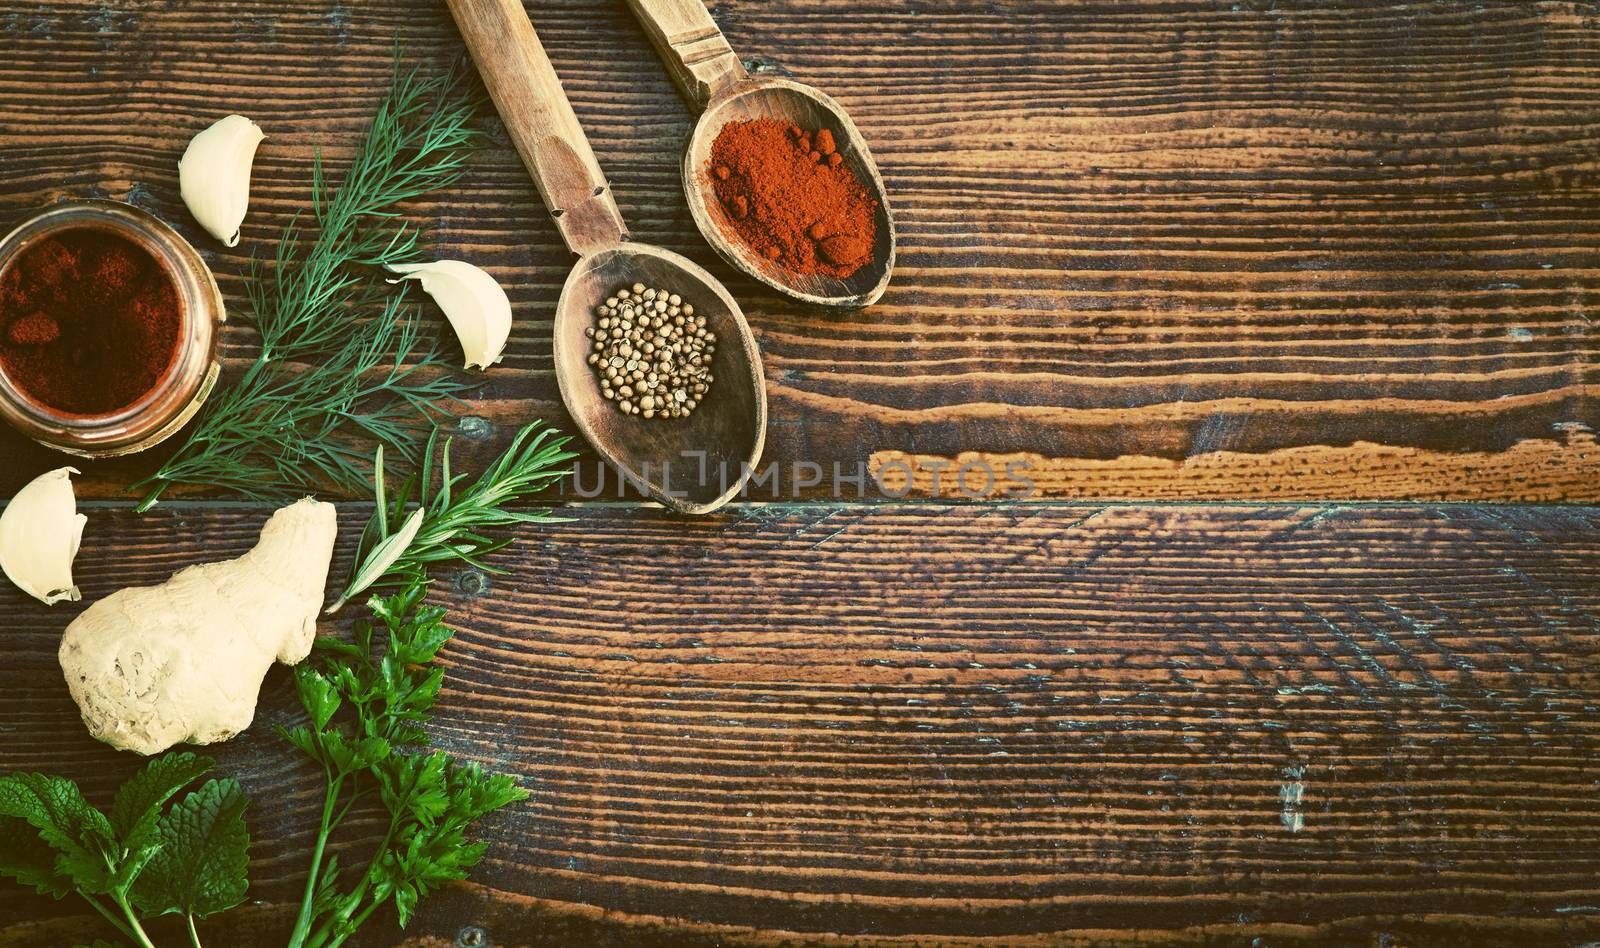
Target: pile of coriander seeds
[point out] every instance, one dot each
(651, 352)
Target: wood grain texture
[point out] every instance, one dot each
(892, 724)
(1128, 228)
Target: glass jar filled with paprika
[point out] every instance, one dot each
(110, 326)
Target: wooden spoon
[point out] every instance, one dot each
(694, 464)
(715, 82)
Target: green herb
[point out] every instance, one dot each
(200, 868)
(367, 705)
(448, 528)
(143, 860)
(327, 375)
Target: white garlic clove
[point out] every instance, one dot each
(473, 302)
(214, 175)
(39, 535)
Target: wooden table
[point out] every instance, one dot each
(1288, 309)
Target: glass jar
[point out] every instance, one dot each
(181, 389)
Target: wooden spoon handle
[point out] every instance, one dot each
(528, 94)
(692, 47)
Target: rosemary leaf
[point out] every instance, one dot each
(450, 524)
(330, 374)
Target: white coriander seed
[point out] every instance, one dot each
(651, 352)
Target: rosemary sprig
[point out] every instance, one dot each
(327, 376)
(449, 526)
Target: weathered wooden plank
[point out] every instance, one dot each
(1241, 236)
(1198, 724)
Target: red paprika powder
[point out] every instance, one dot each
(792, 198)
(89, 321)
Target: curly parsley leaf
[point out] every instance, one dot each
(383, 686)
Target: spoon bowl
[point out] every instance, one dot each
(695, 464)
(792, 103)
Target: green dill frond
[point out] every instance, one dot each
(331, 375)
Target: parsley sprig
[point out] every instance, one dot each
(145, 859)
(330, 370)
(367, 702)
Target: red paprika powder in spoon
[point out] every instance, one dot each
(89, 321)
(792, 198)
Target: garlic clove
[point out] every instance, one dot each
(474, 303)
(214, 175)
(40, 531)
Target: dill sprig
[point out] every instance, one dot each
(449, 526)
(329, 373)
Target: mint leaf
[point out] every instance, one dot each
(25, 857)
(200, 868)
(139, 801)
(83, 838)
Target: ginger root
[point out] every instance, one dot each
(153, 666)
